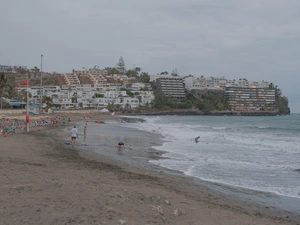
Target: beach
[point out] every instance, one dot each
(46, 181)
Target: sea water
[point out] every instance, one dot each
(259, 153)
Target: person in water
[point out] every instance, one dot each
(197, 139)
(121, 145)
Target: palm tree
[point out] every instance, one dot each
(3, 85)
(47, 100)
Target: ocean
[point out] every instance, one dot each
(257, 153)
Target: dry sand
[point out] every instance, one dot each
(44, 181)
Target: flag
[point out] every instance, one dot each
(24, 83)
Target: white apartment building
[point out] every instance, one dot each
(146, 97)
(114, 94)
(72, 96)
(50, 90)
(85, 90)
(97, 102)
(137, 86)
(36, 90)
(65, 103)
(220, 83)
(101, 87)
(107, 87)
(130, 102)
(172, 86)
(245, 83)
(204, 82)
(115, 87)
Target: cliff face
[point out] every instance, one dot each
(282, 105)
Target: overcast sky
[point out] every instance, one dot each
(253, 39)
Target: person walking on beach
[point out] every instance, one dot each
(84, 132)
(197, 139)
(74, 135)
(121, 145)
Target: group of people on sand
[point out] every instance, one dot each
(7, 128)
(74, 135)
(55, 120)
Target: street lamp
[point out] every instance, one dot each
(27, 115)
(41, 101)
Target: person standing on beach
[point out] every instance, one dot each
(84, 132)
(74, 135)
(6, 127)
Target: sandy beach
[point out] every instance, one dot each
(46, 181)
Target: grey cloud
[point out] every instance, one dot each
(237, 38)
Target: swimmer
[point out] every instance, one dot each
(121, 145)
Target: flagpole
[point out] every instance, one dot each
(41, 97)
(27, 124)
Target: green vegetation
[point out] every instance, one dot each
(111, 70)
(121, 66)
(162, 102)
(133, 72)
(281, 103)
(3, 83)
(48, 100)
(130, 94)
(74, 99)
(7, 88)
(97, 96)
(207, 102)
(210, 102)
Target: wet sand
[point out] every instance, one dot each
(46, 181)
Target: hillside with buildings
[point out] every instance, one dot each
(95, 88)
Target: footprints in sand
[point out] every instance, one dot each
(158, 208)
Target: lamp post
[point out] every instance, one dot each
(27, 115)
(41, 101)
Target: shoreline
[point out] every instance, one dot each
(266, 200)
(62, 185)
